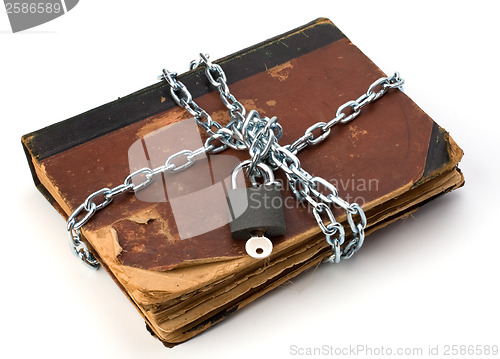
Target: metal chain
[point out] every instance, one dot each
(229, 135)
(251, 131)
(307, 188)
(375, 91)
(134, 182)
(260, 136)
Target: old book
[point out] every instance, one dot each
(183, 271)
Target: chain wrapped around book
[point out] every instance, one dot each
(238, 175)
(248, 131)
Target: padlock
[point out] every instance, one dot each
(257, 211)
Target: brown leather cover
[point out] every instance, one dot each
(389, 157)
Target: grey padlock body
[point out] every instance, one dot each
(256, 209)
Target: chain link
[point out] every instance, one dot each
(183, 98)
(236, 109)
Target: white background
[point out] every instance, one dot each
(430, 280)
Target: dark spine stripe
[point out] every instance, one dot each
(146, 102)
